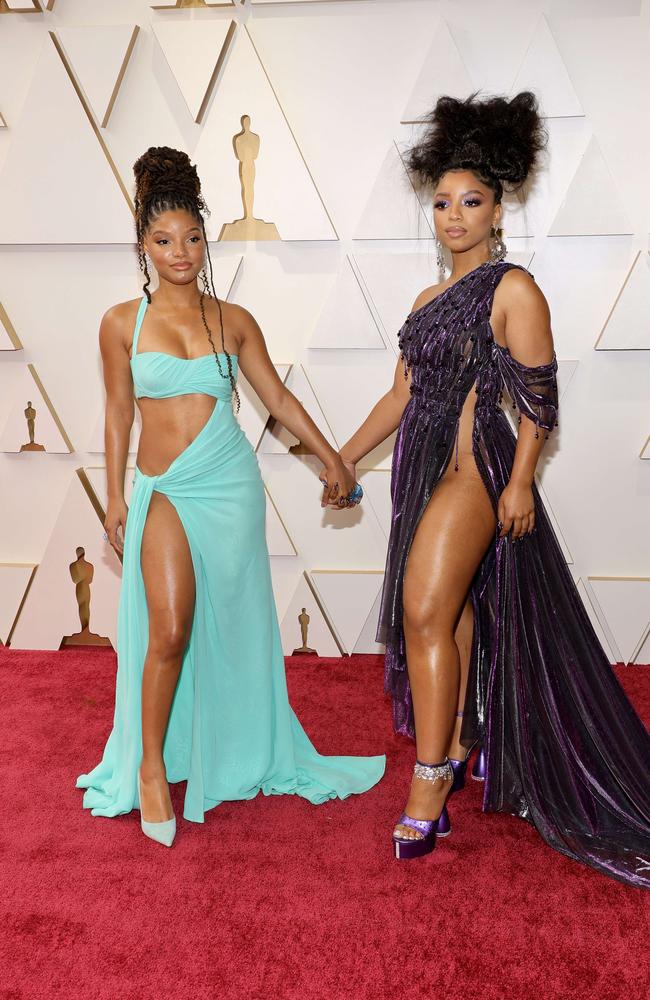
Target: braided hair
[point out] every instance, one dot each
(497, 139)
(165, 181)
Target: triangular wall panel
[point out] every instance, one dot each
(393, 210)
(346, 321)
(625, 603)
(592, 205)
(99, 55)
(51, 610)
(284, 191)
(628, 326)
(348, 597)
(195, 51)
(443, 72)
(48, 429)
(319, 634)
(75, 168)
(544, 72)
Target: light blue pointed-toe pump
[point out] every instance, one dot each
(162, 833)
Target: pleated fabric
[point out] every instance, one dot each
(565, 748)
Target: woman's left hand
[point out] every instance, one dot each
(337, 481)
(516, 510)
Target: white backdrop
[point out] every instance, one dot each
(331, 88)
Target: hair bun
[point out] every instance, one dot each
(162, 168)
(498, 138)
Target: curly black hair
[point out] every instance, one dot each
(165, 181)
(496, 138)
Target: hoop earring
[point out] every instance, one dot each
(498, 250)
(440, 259)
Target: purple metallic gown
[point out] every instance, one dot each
(565, 749)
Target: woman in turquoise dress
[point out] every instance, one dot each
(200, 692)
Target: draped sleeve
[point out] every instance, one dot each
(532, 390)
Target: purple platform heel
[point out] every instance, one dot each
(405, 848)
(480, 766)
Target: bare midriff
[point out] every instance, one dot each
(168, 427)
(466, 461)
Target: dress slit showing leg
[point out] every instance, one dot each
(231, 732)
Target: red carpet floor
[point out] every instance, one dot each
(276, 899)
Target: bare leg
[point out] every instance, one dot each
(464, 636)
(451, 539)
(169, 583)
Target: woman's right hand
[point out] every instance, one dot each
(325, 476)
(116, 516)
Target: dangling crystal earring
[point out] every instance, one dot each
(440, 259)
(498, 250)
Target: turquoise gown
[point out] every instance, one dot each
(231, 729)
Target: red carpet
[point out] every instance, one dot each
(276, 899)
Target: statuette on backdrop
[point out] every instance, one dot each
(304, 650)
(82, 573)
(30, 417)
(247, 146)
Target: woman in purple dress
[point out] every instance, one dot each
(486, 636)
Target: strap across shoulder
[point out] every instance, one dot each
(138, 323)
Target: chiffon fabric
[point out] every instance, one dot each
(231, 732)
(565, 749)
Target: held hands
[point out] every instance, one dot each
(516, 510)
(339, 482)
(116, 518)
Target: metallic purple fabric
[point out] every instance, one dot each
(565, 750)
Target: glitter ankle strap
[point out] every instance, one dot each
(431, 772)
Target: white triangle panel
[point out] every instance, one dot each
(361, 385)
(393, 210)
(277, 537)
(628, 326)
(194, 50)
(278, 440)
(645, 451)
(76, 169)
(643, 656)
(9, 340)
(555, 523)
(366, 643)
(97, 54)
(346, 320)
(565, 372)
(97, 478)
(394, 281)
(285, 576)
(348, 598)
(625, 602)
(592, 205)
(14, 580)
(376, 486)
(604, 639)
(530, 213)
(253, 415)
(319, 634)
(544, 72)
(443, 72)
(51, 610)
(16, 432)
(284, 192)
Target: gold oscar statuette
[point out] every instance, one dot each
(30, 417)
(247, 146)
(304, 650)
(82, 573)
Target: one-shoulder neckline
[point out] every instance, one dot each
(441, 294)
